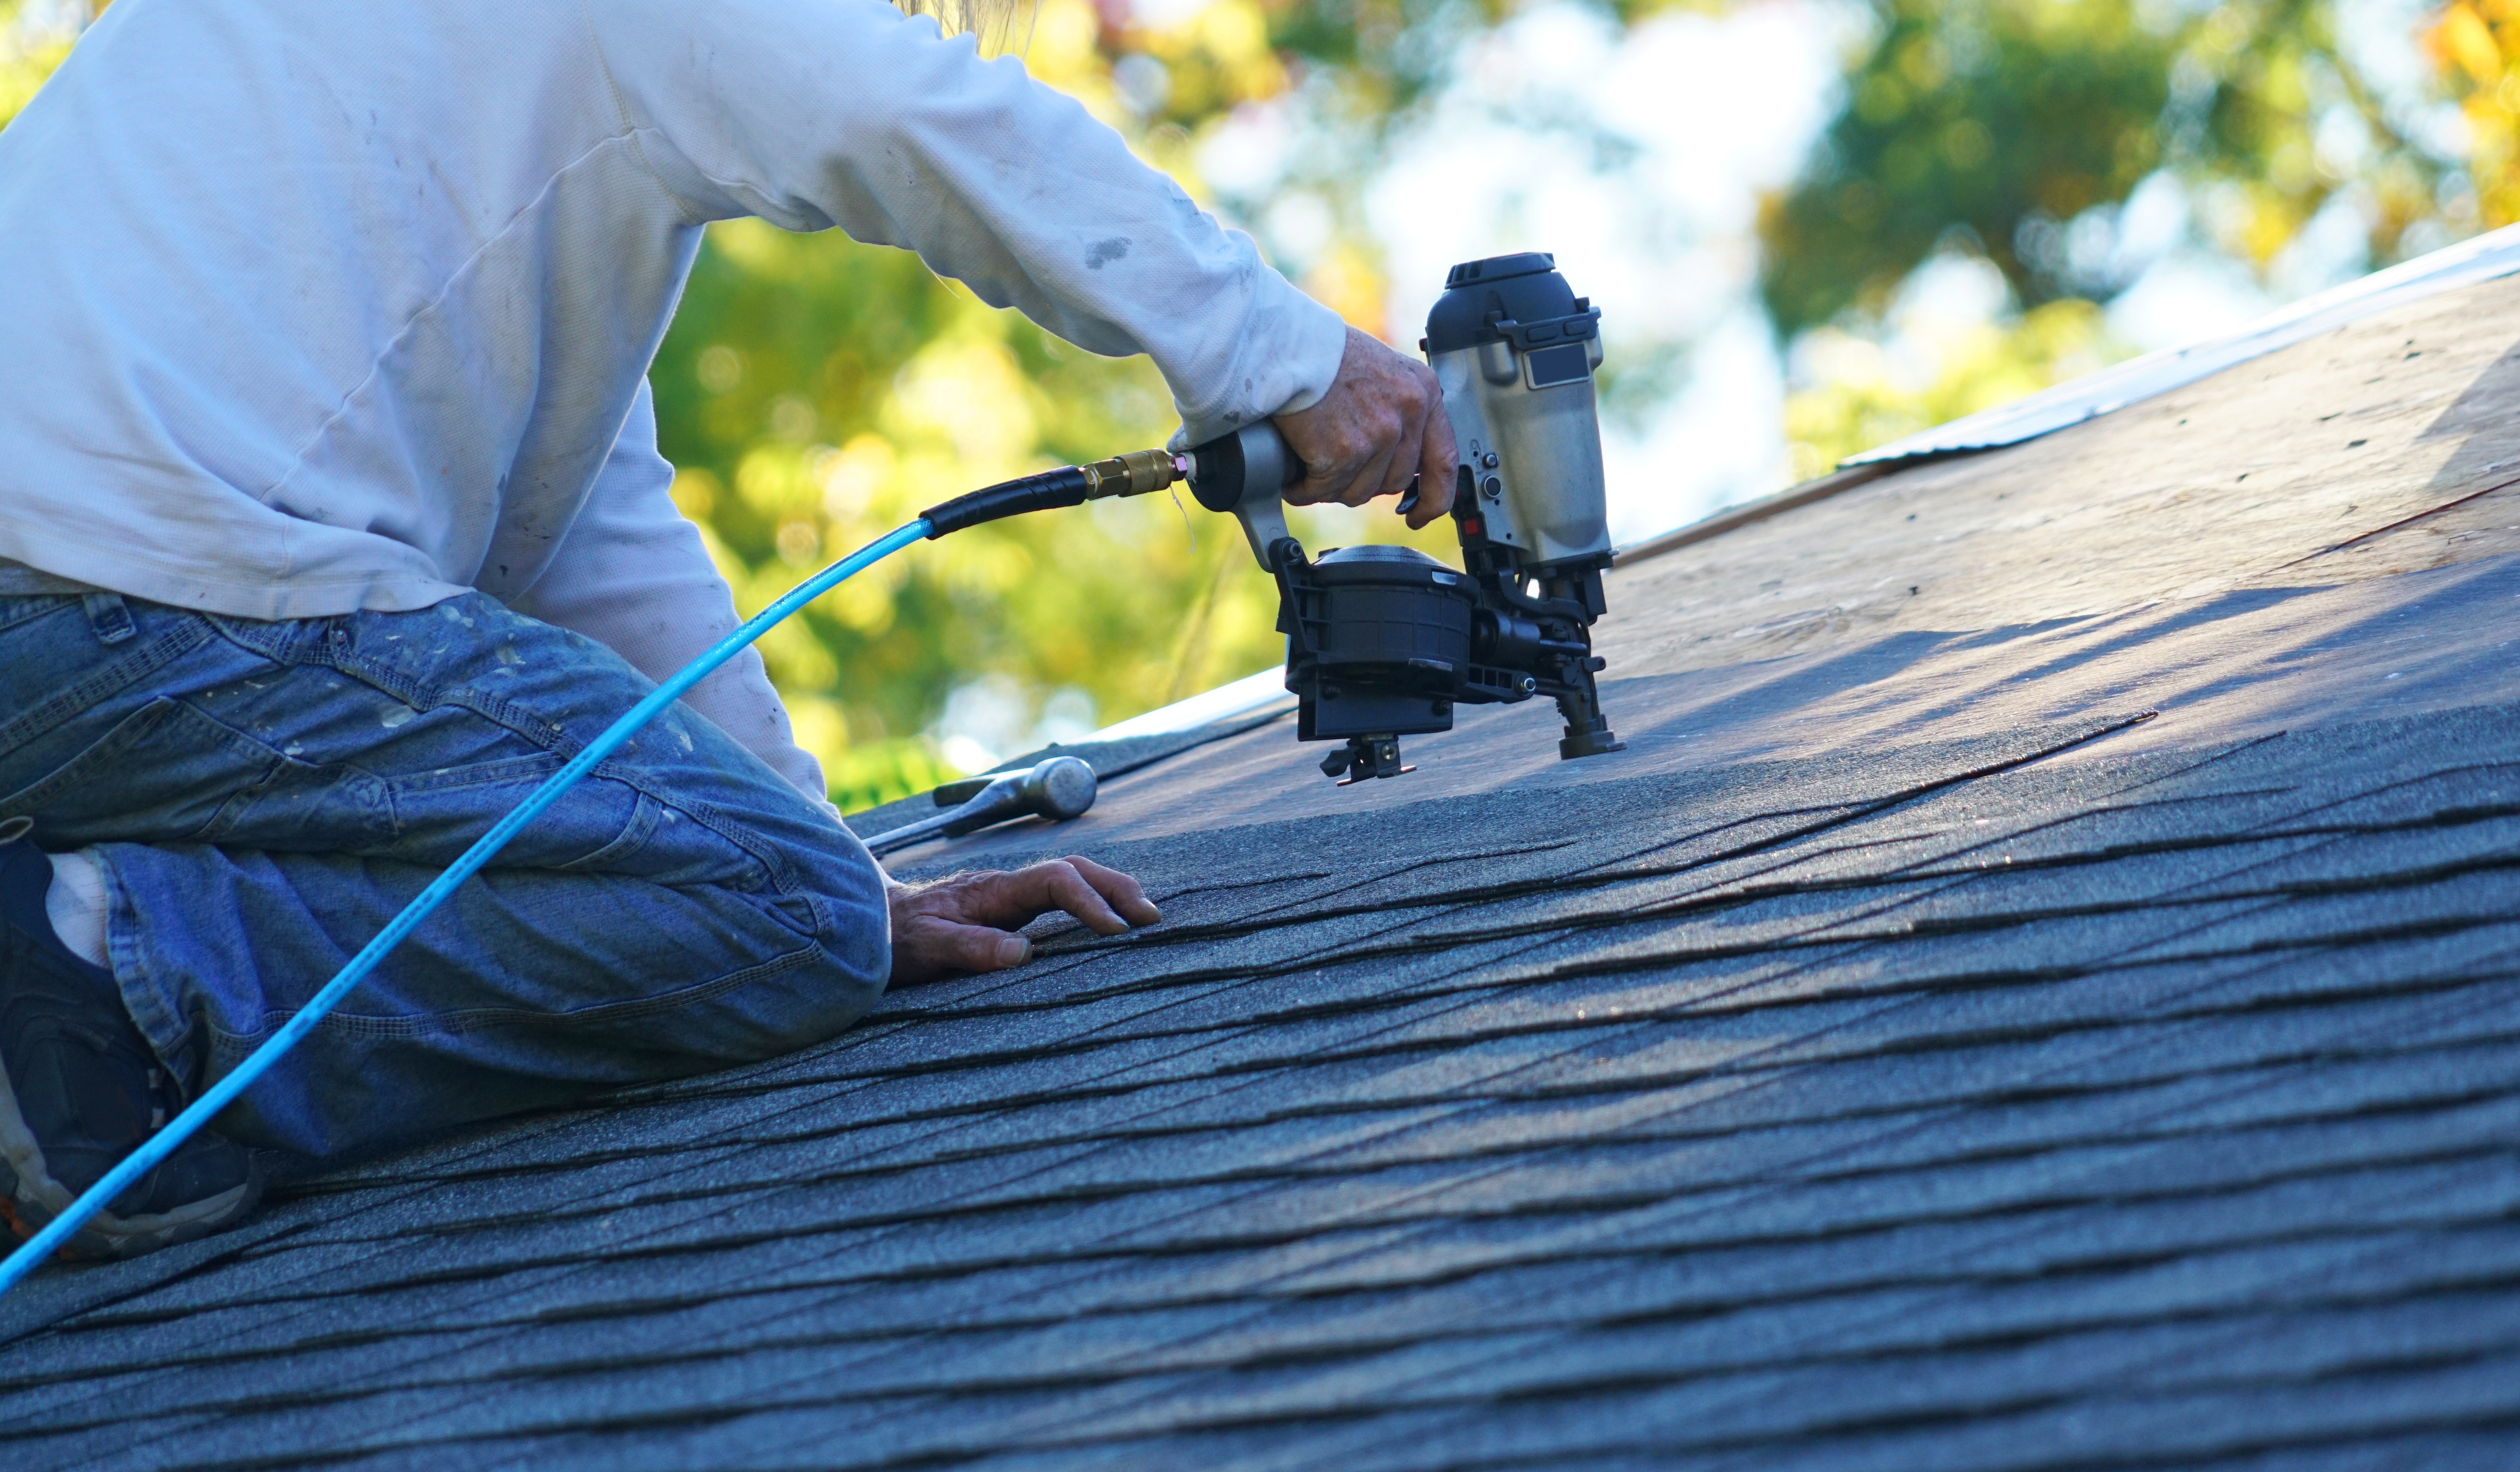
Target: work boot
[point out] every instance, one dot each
(81, 1088)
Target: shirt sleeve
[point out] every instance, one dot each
(813, 113)
(633, 576)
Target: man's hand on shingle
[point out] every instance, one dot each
(966, 923)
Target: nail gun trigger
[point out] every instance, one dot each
(1408, 496)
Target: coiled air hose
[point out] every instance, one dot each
(1131, 474)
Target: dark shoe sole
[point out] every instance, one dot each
(31, 1199)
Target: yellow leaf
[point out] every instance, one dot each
(2464, 38)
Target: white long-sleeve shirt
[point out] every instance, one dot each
(632, 573)
(318, 305)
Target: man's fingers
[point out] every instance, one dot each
(943, 945)
(1124, 894)
(1367, 481)
(1410, 444)
(1371, 434)
(1337, 475)
(1324, 477)
(1082, 900)
(1039, 888)
(1099, 896)
(966, 923)
(1321, 484)
(1404, 465)
(1436, 460)
(1107, 901)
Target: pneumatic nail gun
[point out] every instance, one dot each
(1382, 642)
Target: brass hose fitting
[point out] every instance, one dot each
(1131, 474)
(1134, 475)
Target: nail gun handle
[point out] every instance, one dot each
(1245, 474)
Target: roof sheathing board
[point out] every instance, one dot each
(2288, 470)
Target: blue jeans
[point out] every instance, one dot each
(262, 797)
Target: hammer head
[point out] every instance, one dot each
(1059, 787)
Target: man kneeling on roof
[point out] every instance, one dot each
(332, 523)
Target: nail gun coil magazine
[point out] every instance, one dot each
(1383, 641)
(1377, 638)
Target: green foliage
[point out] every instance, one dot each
(2000, 120)
(28, 53)
(2043, 109)
(2475, 46)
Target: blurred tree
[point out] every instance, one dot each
(2013, 132)
(34, 36)
(2475, 44)
(1181, 78)
(2000, 123)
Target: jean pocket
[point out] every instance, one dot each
(169, 773)
(444, 810)
(646, 815)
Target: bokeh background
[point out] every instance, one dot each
(1812, 225)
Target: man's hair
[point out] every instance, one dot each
(995, 23)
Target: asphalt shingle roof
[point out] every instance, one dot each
(2082, 1039)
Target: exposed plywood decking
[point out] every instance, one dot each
(2385, 447)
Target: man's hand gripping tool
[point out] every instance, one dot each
(1382, 642)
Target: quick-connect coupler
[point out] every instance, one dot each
(1135, 473)
(1131, 474)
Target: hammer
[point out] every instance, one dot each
(1058, 788)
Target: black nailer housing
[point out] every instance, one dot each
(1382, 642)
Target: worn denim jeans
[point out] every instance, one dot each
(262, 797)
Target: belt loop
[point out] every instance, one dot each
(109, 616)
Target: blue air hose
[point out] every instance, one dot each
(218, 1096)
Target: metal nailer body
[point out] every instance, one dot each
(1383, 641)
(1514, 349)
